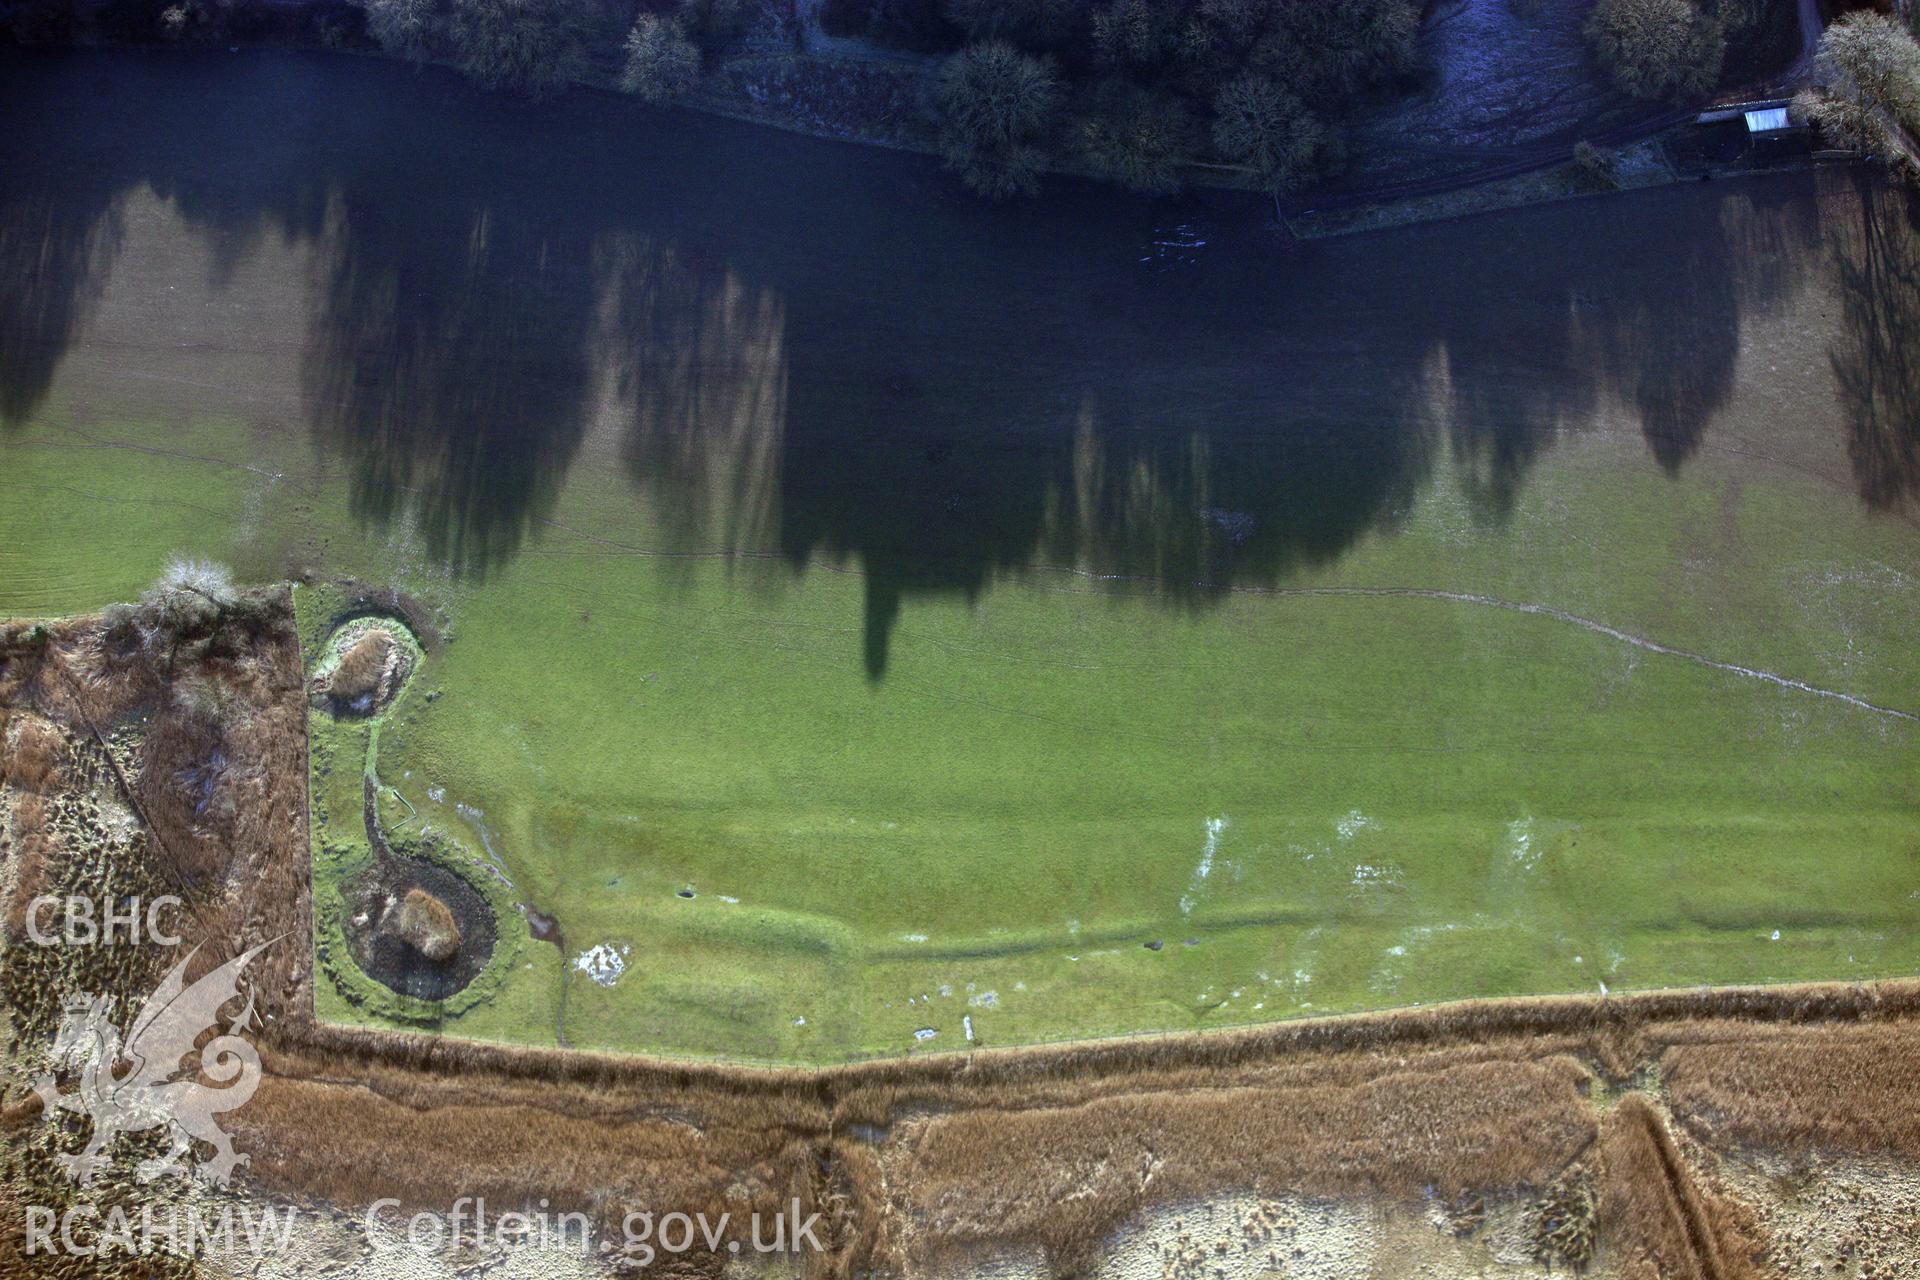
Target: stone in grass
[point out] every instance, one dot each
(427, 926)
(362, 669)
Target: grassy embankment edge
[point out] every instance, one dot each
(339, 847)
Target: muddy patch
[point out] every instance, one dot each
(388, 950)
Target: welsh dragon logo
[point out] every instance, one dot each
(139, 1085)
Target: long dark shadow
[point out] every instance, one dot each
(1876, 360)
(819, 351)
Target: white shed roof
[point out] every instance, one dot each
(1767, 120)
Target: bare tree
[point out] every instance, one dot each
(1658, 48)
(661, 62)
(1259, 124)
(189, 601)
(1871, 69)
(401, 27)
(995, 103)
(1136, 138)
(535, 46)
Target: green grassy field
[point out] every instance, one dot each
(1342, 802)
(1489, 608)
(1313, 802)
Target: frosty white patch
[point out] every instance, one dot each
(604, 963)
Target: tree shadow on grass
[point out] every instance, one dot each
(54, 258)
(1876, 360)
(819, 353)
(447, 362)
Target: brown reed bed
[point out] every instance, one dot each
(1654, 1215)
